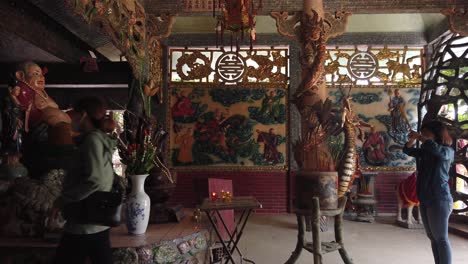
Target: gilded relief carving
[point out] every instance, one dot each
(160, 27)
(335, 24)
(395, 67)
(373, 66)
(312, 32)
(385, 54)
(154, 84)
(221, 67)
(124, 22)
(266, 67)
(199, 66)
(135, 33)
(287, 25)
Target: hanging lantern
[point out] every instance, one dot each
(237, 17)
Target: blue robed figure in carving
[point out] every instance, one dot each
(400, 123)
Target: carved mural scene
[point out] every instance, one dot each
(228, 127)
(228, 108)
(383, 141)
(384, 86)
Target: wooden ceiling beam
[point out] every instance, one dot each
(28, 22)
(71, 74)
(354, 6)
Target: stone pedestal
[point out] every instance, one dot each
(366, 202)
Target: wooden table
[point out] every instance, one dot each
(245, 204)
(119, 236)
(38, 250)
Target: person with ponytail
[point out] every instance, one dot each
(435, 157)
(82, 241)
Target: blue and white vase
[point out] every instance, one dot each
(138, 206)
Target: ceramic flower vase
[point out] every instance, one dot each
(138, 206)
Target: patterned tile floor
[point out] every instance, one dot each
(271, 239)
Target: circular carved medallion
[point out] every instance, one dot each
(193, 66)
(362, 65)
(230, 67)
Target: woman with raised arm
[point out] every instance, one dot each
(435, 158)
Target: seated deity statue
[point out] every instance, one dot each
(38, 105)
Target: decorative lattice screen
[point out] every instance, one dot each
(444, 96)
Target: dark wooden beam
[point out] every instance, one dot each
(354, 6)
(28, 22)
(66, 75)
(67, 83)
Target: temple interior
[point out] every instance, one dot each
(234, 131)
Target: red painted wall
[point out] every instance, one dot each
(270, 188)
(385, 184)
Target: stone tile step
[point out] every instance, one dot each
(460, 229)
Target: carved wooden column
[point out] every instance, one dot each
(312, 28)
(136, 34)
(315, 8)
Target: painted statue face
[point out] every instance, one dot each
(34, 77)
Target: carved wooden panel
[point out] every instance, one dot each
(258, 67)
(368, 66)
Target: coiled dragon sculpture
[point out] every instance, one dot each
(349, 162)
